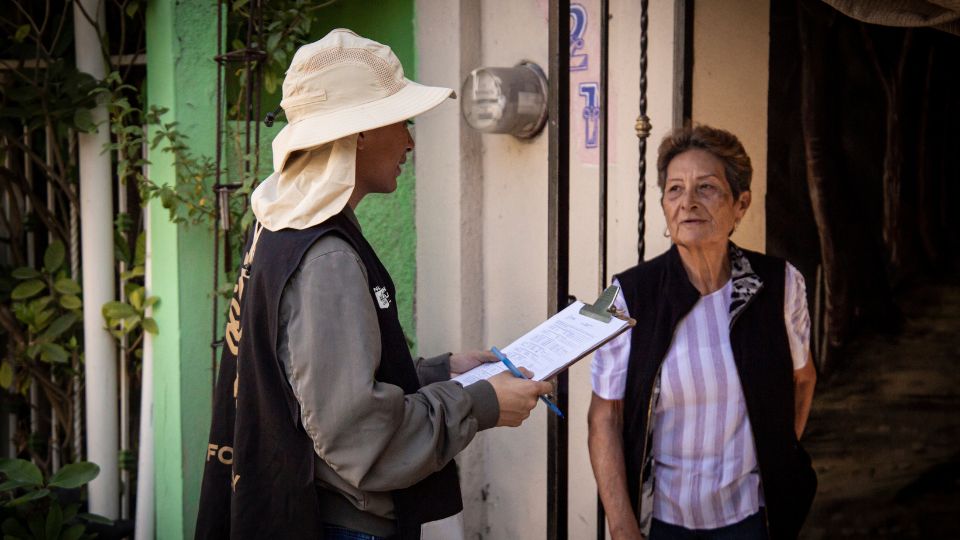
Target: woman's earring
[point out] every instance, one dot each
(666, 232)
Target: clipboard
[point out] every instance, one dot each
(562, 340)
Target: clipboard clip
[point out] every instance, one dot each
(602, 310)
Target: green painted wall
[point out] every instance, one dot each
(181, 76)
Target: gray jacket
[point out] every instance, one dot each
(369, 437)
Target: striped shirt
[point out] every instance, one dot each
(705, 464)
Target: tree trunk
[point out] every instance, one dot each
(821, 176)
(927, 207)
(893, 152)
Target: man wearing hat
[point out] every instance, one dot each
(323, 425)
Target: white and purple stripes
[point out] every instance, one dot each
(705, 460)
(702, 443)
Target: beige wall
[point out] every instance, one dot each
(731, 44)
(482, 210)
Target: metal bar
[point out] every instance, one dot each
(558, 251)
(258, 102)
(124, 371)
(604, 158)
(77, 382)
(682, 62)
(35, 63)
(34, 395)
(604, 132)
(642, 128)
(216, 232)
(49, 141)
(7, 252)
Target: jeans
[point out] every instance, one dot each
(751, 528)
(335, 532)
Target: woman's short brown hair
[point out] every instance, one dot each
(721, 143)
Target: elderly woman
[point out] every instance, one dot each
(696, 414)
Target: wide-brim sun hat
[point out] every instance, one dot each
(345, 84)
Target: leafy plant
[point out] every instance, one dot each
(34, 508)
(47, 302)
(124, 318)
(44, 336)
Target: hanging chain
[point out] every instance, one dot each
(642, 128)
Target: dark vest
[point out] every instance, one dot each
(257, 443)
(659, 295)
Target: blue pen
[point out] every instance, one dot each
(517, 373)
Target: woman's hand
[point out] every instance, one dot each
(465, 361)
(605, 442)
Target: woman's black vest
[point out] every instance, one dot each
(659, 295)
(259, 476)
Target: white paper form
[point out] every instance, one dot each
(552, 346)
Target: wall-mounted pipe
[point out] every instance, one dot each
(96, 240)
(145, 515)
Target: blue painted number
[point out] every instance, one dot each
(578, 27)
(591, 113)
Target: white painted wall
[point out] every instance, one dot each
(482, 229)
(730, 83)
(482, 208)
(515, 271)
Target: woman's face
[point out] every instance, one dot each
(697, 201)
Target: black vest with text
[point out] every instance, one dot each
(659, 295)
(259, 477)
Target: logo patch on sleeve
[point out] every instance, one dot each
(383, 297)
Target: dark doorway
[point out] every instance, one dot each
(861, 170)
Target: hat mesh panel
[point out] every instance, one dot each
(329, 57)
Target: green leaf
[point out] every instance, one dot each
(25, 272)
(39, 304)
(12, 528)
(21, 470)
(43, 318)
(22, 32)
(151, 301)
(272, 41)
(140, 251)
(83, 120)
(36, 524)
(70, 302)
(73, 532)
(6, 378)
(132, 8)
(10, 485)
(59, 326)
(136, 298)
(135, 272)
(54, 256)
(53, 353)
(70, 512)
(54, 521)
(150, 326)
(27, 289)
(67, 286)
(74, 475)
(130, 324)
(118, 310)
(30, 496)
(121, 250)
